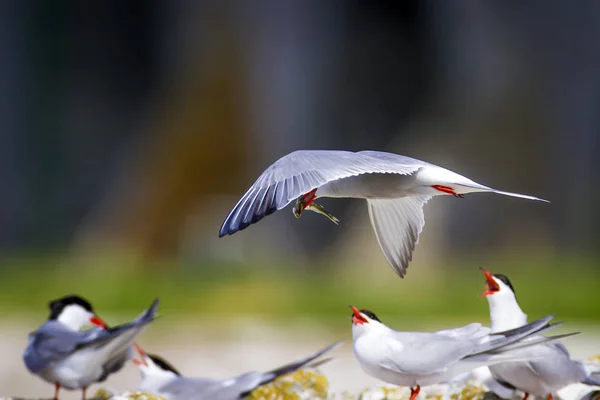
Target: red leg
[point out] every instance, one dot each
(550, 397)
(309, 197)
(447, 190)
(414, 392)
(83, 393)
(526, 396)
(56, 389)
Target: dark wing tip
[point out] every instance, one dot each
(237, 219)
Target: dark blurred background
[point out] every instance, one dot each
(129, 129)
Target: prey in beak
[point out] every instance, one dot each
(357, 317)
(491, 285)
(306, 202)
(142, 356)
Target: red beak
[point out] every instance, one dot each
(96, 321)
(142, 355)
(490, 283)
(357, 317)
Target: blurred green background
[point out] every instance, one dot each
(130, 129)
(430, 297)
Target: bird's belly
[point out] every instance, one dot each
(68, 377)
(74, 372)
(367, 186)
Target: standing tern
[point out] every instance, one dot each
(396, 189)
(162, 379)
(552, 368)
(61, 353)
(416, 359)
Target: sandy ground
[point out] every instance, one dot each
(215, 350)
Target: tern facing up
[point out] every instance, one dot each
(162, 379)
(552, 369)
(416, 359)
(396, 189)
(60, 353)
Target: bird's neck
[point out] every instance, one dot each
(505, 314)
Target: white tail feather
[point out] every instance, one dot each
(522, 196)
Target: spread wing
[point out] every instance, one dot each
(398, 224)
(302, 171)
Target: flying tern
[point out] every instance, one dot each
(396, 189)
(162, 379)
(416, 359)
(551, 368)
(61, 353)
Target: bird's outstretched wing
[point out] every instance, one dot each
(302, 171)
(398, 224)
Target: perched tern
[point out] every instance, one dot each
(416, 359)
(552, 367)
(61, 353)
(396, 189)
(162, 379)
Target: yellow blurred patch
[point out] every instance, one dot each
(302, 384)
(103, 394)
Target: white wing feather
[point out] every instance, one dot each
(398, 224)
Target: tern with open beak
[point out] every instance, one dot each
(552, 369)
(396, 189)
(162, 379)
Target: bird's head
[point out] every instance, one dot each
(155, 370)
(497, 287)
(74, 312)
(363, 321)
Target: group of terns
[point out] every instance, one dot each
(396, 187)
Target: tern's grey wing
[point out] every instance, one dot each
(398, 224)
(190, 388)
(423, 353)
(53, 342)
(468, 331)
(298, 173)
(115, 342)
(561, 347)
(267, 377)
(209, 389)
(556, 366)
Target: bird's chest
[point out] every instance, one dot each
(375, 354)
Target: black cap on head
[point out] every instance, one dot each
(57, 306)
(370, 314)
(506, 281)
(161, 362)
